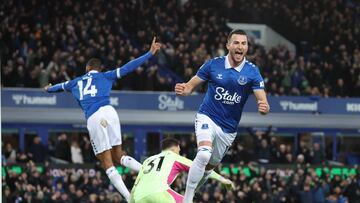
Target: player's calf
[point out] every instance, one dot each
(120, 158)
(105, 159)
(117, 153)
(197, 171)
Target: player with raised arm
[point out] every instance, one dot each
(92, 92)
(158, 172)
(231, 79)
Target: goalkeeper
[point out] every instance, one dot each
(158, 172)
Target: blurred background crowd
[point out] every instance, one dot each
(263, 166)
(44, 41)
(297, 185)
(263, 146)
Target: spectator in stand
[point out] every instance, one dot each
(37, 151)
(317, 154)
(289, 158)
(300, 160)
(63, 150)
(76, 153)
(264, 152)
(281, 154)
(304, 151)
(9, 153)
(87, 152)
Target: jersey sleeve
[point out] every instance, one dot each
(215, 176)
(68, 85)
(204, 71)
(64, 86)
(113, 74)
(128, 67)
(184, 163)
(258, 81)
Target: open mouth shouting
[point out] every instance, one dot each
(239, 55)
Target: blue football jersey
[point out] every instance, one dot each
(228, 90)
(93, 89)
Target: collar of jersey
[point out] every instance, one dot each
(93, 71)
(237, 68)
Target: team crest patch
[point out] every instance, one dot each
(205, 126)
(242, 80)
(104, 123)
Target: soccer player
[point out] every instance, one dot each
(231, 79)
(158, 172)
(92, 92)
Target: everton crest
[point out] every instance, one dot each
(242, 80)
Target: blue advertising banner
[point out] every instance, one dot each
(168, 101)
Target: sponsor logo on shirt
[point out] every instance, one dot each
(20, 99)
(225, 97)
(219, 76)
(166, 102)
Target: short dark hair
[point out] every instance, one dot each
(94, 63)
(236, 32)
(169, 142)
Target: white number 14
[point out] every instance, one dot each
(89, 89)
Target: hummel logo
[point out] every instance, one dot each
(17, 98)
(219, 76)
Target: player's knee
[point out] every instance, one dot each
(204, 154)
(117, 154)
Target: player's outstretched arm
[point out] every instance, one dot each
(224, 181)
(263, 105)
(54, 88)
(134, 64)
(186, 163)
(185, 89)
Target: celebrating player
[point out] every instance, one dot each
(92, 91)
(231, 79)
(158, 172)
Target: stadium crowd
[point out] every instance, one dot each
(327, 35)
(45, 41)
(71, 185)
(294, 180)
(263, 147)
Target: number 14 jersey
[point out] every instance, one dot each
(92, 90)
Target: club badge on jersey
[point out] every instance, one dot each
(242, 80)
